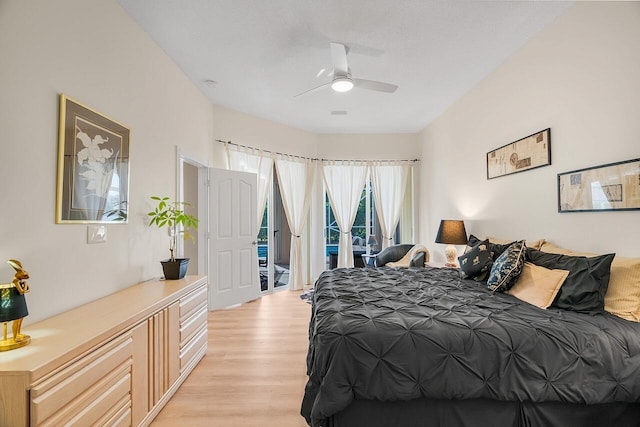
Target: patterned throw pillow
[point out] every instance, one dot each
(507, 268)
(475, 263)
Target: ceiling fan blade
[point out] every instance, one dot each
(315, 89)
(339, 58)
(374, 85)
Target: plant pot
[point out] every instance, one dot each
(174, 270)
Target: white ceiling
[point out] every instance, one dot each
(261, 53)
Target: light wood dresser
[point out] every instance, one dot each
(115, 361)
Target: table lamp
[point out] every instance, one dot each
(451, 232)
(13, 307)
(373, 242)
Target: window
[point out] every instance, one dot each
(366, 227)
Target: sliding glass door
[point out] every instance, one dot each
(274, 242)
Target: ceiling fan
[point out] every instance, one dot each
(342, 80)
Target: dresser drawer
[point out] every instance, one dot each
(87, 389)
(120, 417)
(97, 403)
(193, 302)
(193, 350)
(190, 326)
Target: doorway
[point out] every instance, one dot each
(190, 197)
(192, 180)
(225, 203)
(273, 239)
(274, 242)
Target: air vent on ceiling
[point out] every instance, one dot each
(338, 113)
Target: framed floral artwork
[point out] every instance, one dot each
(93, 166)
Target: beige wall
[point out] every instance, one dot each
(244, 129)
(580, 78)
(251, 131)
(368, 146)
(94, 53)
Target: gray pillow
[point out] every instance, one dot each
(585, 286)
(495, 248)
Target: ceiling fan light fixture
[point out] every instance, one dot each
(342, 84)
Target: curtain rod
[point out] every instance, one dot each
(311, 158)
(266, 151)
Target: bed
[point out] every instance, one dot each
(425, 347)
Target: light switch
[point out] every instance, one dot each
(96, 234)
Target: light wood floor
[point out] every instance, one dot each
(254, 371)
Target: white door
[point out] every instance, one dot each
(233, 263)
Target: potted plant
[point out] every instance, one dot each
(171, 214)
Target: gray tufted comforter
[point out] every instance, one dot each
(400, 334)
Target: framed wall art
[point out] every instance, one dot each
(93, 166)
(531, 152)
(610, 187)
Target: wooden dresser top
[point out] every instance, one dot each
(64, 337)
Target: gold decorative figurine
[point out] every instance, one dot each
(13, 307)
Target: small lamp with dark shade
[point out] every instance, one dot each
(373, 242)
(451, 232)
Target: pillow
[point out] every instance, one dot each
(553, 249)
(472, 242)
(495, 248)
(538, 285)
(475, 263)
(507, 268)
(585, 287)
(536, 244)
(623, 294)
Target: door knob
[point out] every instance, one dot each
(254, 243)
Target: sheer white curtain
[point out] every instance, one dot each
(389, 182)
(344, 182)
(254, 161)
(295, 176)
